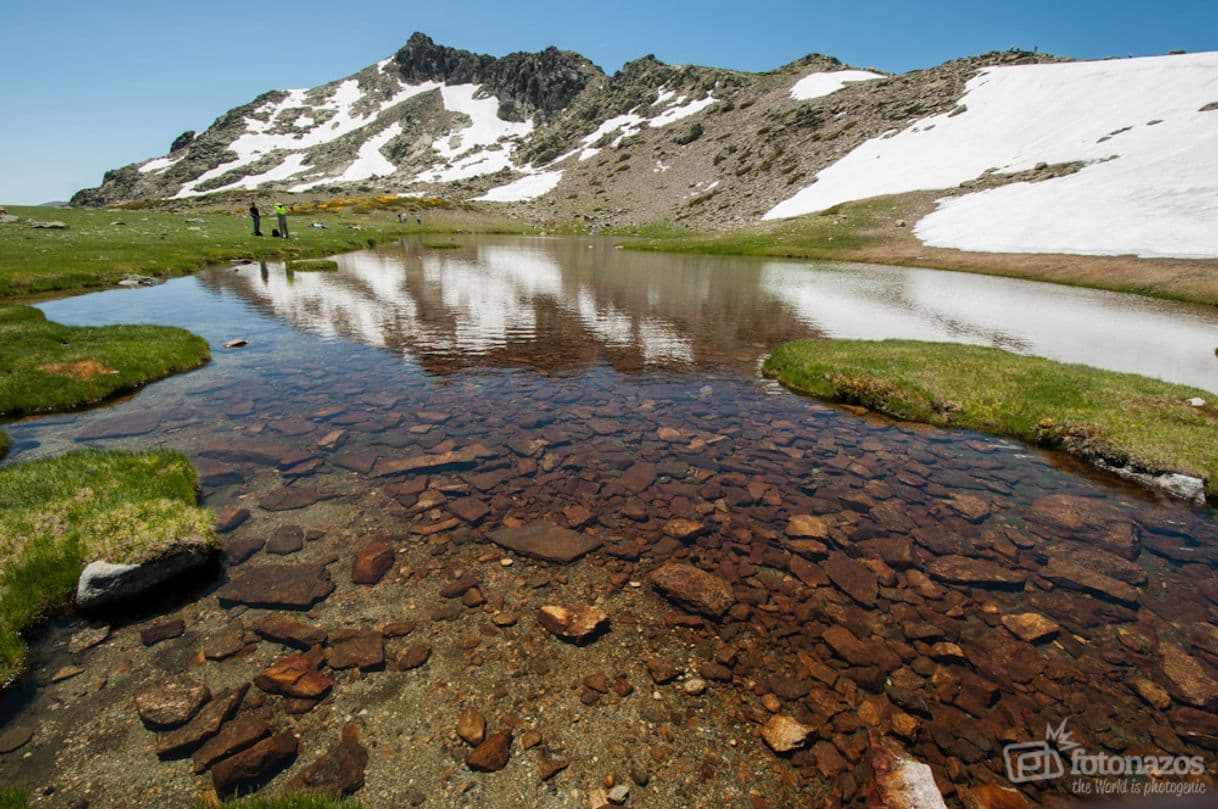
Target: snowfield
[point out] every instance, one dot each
(1149, 187)
(817, 85)
(531, 186)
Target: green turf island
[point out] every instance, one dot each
(1120, 420)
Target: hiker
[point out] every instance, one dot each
(282, 214)
(257, 217)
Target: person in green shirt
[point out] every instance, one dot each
(282, 214)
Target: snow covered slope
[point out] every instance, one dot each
(1149, 186)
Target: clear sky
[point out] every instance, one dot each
(86, 85)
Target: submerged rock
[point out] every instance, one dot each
(169, 701)
(783, 734)
(542, 540)
(576, 624)
(900, 782)
(293, 586)
(254, 766)
(338, 773)
(492, 754)
(694, 589)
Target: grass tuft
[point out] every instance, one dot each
(312, 265)
(1123, 419)
(63, 512)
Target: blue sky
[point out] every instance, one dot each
(86, 86)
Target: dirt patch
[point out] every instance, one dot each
(79, 371)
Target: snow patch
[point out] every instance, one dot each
(1158, 197)
(528, 187)
(630, 124)
(158, 164)
(817, 85)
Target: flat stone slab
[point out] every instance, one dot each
(290, 498)
(261, 452)
(122, 426)
(542, 540)
(290, 586)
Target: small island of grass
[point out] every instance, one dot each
(1119, 420)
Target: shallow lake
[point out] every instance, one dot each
(617, 393)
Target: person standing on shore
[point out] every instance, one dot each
(257, 217)
(282, 213)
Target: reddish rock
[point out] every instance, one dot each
(233, 737)
(638, 477)
(230, 518)
(286, 539)
(224, 645)
(166, 630)
(290, 498)
(662, 671)
(807, 526)
(246, 450)
(693, 588)
(254, 766)
(975, 572)
(214, 474)
(372, 562)
(362, 650)
(1102, 562)
(415, 656)
(683, 529)
(292, 586)
(1030, 626)
(470, 509)
(295, 676)
(576, 624)
(1187, 678)
(288, 632)
(542, 540)
(359, 461)
(139, 423)
(807, 572)
(432, 462)
(205, 724)
(168, 701)
(853, 578)
(492, 754)
(1074, 577)
(993, 796)
(337, 773)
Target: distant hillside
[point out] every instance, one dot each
(1033, 153)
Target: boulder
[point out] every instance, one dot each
(694, 589)
(103, 584)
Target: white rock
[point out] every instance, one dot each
(1197, 401)
(102, 583)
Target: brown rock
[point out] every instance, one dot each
(245, 450)
(254, 766)
(286, 539)
(288, 632)
(548, 767)
(783, 734)
(230, 518)
(430, 463)
(638, 477)
(693, 588)
(492, 754)
(853, 578)
(974, 572)
(224, 645)
(205, 724)
(471, 727)
(1074, 577)
(993, 796)
(338, 773)
(295, 676)
(1151, 692)
(662, 671)
(169, 701)
(898, 781)
(807, 526)
(1189, 681)
(372, 562)
(415, 656)
(165, 630)
(362, 650)
(683, 529)
(233, 737)
(14, 737)
(290, 498)
(576, 624)
(469, 509)
(291, 586)
(542, 540)
(1030, 626)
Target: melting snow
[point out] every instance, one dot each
(630, 124)
(530, 186)
(1158, 196)
(369, 162)
(816, 85)
(158, 164)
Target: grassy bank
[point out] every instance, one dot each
(1121, 418)
(99, 247)
(60, 513)
(880, 231)
(47, 367)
